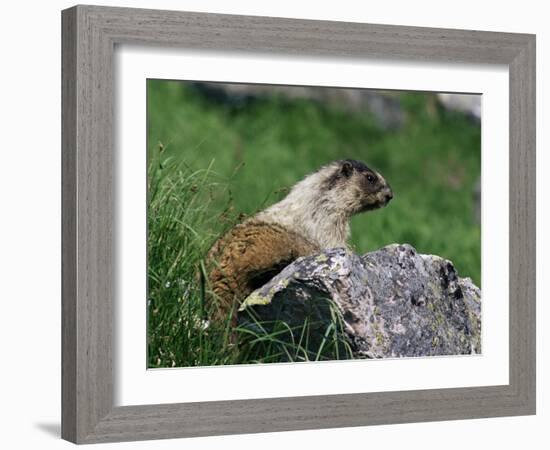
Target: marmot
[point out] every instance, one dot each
(313, 216)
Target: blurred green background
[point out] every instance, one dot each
(259, 144)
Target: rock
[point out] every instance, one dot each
(392, 302)
(470, 104)
(384, 107)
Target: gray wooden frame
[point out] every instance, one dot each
(89, 37)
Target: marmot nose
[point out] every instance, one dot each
(389, 195)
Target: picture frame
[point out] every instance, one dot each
(89, 37)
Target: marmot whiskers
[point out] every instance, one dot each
(313, 216)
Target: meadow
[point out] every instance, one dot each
(212, 163)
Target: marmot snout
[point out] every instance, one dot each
(313, 216)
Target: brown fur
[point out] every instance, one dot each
(245, 258)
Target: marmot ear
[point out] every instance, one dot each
(347, 169)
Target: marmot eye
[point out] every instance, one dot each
(370, 178)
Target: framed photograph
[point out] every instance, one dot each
(278, 224)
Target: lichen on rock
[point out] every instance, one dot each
(393, 302)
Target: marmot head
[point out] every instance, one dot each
(319, 206)
(355, 186)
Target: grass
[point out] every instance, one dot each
(220, 162)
